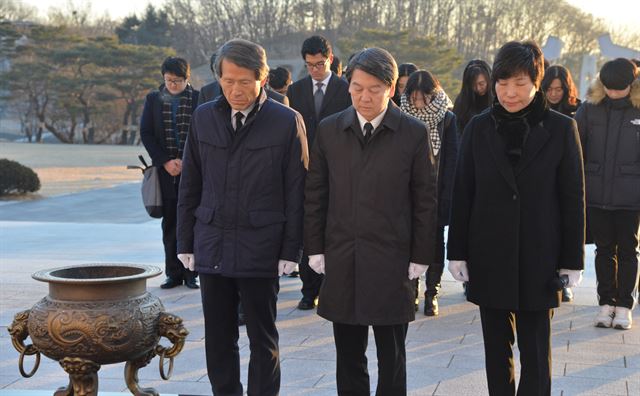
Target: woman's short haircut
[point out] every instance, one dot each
(279, 78)
(316, 45)
(176, 66)
(245, 54)
(377, 62)
(515, 58)
(421, 81)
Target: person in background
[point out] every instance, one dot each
(336, 66)
(240, 215)
(404, 71)
(425, 99)
(475, 94)
(609, 124)
(517, 220)
(316, 96)
(279, 80)
(562, 94)
(370, 214)
(164, 126)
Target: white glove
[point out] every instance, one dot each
(286, 267)
(188, 261)
(316, 262)
(458, 269)
(415, 270)
(575, 276)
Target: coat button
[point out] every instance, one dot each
(216, 266)
(515, 197)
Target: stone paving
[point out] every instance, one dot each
(444, 355)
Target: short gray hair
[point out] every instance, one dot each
(375, 61)
(243, 53)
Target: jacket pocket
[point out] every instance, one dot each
(591, 167)
(264, 218)
(204, 214)
(630, 169)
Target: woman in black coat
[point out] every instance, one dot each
(425, 99)
(517, 219)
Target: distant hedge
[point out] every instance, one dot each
(16, 178)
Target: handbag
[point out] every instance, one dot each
(151, 191)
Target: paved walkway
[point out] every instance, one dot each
(445, 354)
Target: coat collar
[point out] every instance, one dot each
(348, 121)
(329, 93)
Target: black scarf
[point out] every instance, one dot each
(514, 127)
(183, 120)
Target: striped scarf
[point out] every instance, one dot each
(183, 120)
(431, 115)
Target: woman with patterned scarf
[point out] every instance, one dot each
(163, 129)
(425, 99)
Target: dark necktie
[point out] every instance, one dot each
(317, 99)
(239, 117)
(368, 130)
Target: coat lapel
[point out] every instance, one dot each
(307, 94)
(330, 92)
(538, 136)
(496, 146)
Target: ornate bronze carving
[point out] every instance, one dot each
(94, 315)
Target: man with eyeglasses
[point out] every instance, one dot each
(163, 129)
(319, 95)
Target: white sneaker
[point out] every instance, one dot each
(622, 320)
(605, 316)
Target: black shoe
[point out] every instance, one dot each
(293, 274)
(567, 294)
(431, 305)
(306, 304)
(170, 283)
(191, 283)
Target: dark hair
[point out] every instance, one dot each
(243, 53)
(279, 78)
(177, 66)
(377, 62)
(316, 45)
(570, 96)
(421, 81)
(517, 57)
(636, 61)
(469, 103)
(404, 70)
(618, 74)
(336, 66)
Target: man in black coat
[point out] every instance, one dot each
(370, 221)
(212, 90)
(316, 96)
(163, 129)
(240, 215)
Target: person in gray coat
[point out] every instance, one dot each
(609, 125)
(370, 221)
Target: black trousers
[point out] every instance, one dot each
(311, 280)
(351, 371)
(615, 233)
(258, 297)
(173, 268)
(533, 329)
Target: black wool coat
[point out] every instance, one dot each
(240, 206)
(336, 98)
(153, 138)
(371, 210)
(516, 227)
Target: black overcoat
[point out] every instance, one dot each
(370, 209)
(240, 206)
(516, 227)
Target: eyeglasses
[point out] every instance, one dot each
(176, 81)
(318, 65)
